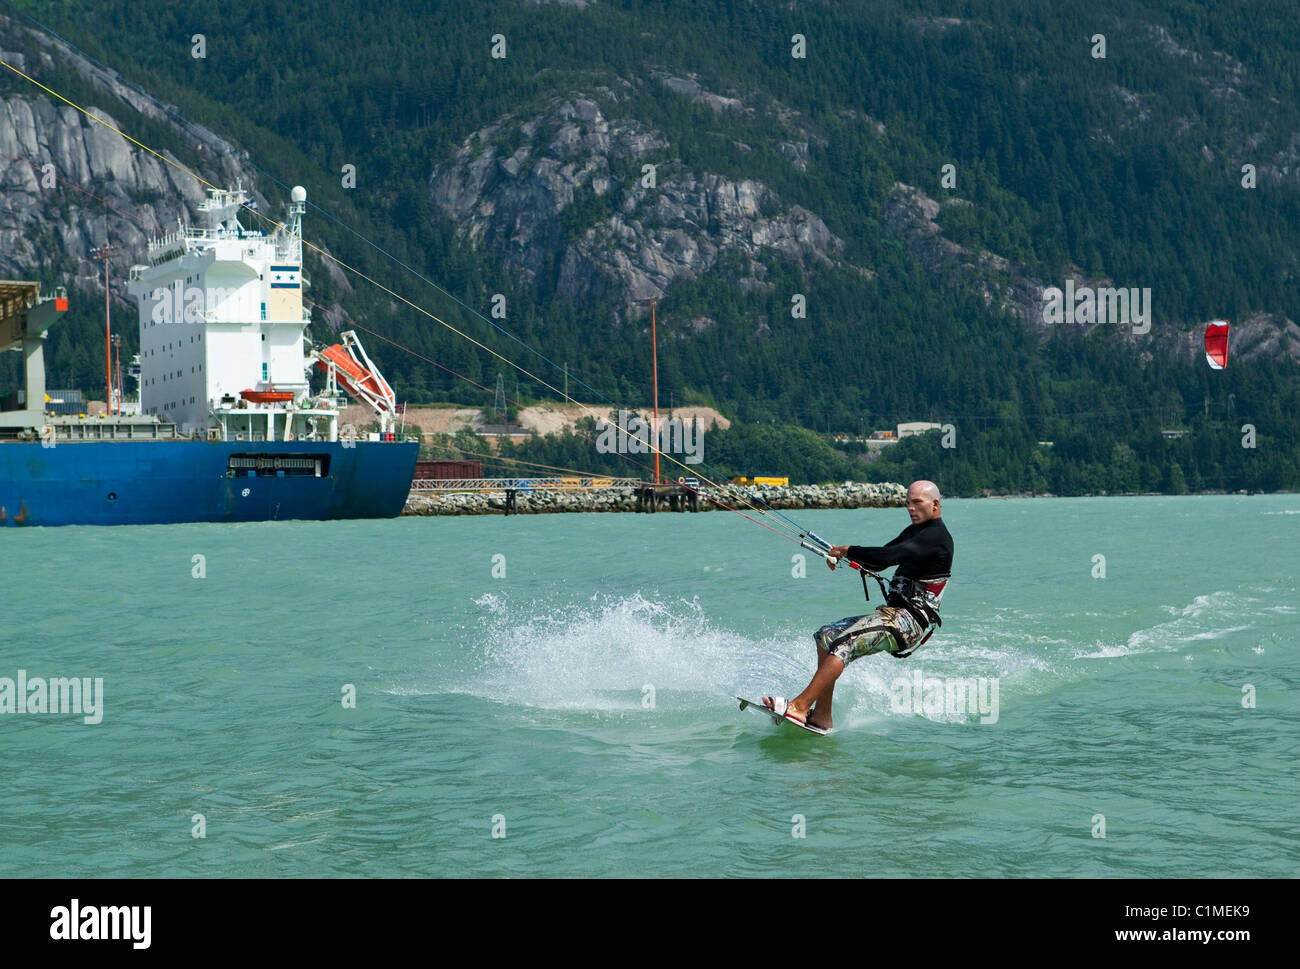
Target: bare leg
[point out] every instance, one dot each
(821, 691)
(824, 698)
(829, 669)
(871, 634)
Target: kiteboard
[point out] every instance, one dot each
(759, 708)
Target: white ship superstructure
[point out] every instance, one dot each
(222, 350)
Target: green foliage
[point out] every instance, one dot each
(1062, 161)
(439, 447)
(779, 450)
(586, 210)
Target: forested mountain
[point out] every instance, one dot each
(849, 211)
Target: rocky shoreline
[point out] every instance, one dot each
(847, 495)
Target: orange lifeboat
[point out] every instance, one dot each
(266, 396)
(356, 379)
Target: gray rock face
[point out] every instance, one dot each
(910, 213)
(58, 150)
(573, 182)
(797, 152)
(1258, 335)
(71, 183)
(689, 87)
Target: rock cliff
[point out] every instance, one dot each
(567, 190)
(71, 184)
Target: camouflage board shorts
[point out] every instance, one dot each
(891, 629)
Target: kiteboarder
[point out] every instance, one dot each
(923, 553)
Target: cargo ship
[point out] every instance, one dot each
(228, 427)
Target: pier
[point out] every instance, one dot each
(652, 497)
(636, 495)
(649, 497)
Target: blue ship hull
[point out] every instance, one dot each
(158, 482)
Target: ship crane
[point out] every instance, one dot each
(346, 365)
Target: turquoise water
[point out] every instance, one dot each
(579, 706)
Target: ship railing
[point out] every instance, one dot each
(165, 250)
(176, 242)
(115, 430)
(199, 233)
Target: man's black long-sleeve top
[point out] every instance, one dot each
(921, 551)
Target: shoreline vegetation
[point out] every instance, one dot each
(1002, 461)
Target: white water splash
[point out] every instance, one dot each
(618, 653)
(613, 653)
(1192, 622)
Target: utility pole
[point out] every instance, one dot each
(654, 347)
(104, 253)
(117, 354)
(654, 351)
(499, 401)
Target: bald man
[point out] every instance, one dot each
(923, 554)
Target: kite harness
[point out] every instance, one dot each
(920, 597)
